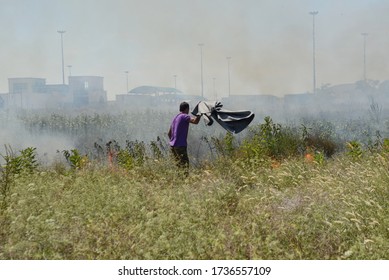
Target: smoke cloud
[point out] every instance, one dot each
(270, 42)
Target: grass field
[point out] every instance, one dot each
(224, 210)
(276, 194)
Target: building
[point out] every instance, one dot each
(154, 97)
(34, 93)
(28, 93)
(269, 103)
(2, 100)
(87, 90)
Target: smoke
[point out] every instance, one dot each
(270, 43)
(14, 135)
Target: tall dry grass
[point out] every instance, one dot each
(223, 210)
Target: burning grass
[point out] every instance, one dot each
(256, 198)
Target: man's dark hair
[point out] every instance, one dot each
(183, 106)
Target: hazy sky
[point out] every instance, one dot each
(270, 42)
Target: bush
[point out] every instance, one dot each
(75, 159)
(225, 146)
(125, 159)
(354, 150)
(15, 164)
(320, 136)
(272, 141)
(385, 145)
(25, 162)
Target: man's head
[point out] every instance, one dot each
(184, 107)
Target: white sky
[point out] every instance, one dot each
(270, 42)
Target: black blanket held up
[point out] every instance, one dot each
(233, 121)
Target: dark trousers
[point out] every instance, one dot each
(181, 156)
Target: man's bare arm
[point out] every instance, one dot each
(195, 120)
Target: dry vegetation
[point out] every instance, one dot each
(261, 198)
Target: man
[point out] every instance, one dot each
(178, 134)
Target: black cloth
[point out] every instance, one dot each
(233, 121)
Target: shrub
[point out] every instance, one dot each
(385, 145)
(375, 144)
(75, 159)
(125, 160)
(25, 162)
(354, 150)
(137, 149)
(14, 164)
(158, 148)
(224, 146)
(133, 154)
(320, 137)
(271, 140)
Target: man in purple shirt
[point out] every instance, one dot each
(178, 134)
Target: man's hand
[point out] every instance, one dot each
(195, 120)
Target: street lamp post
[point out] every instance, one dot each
(70, 72)
(229, 75)
(201, 68)
(61, 32)
(175, 81)
(214, 88)
(126, 80)
(364, 55)
(70, 69)
(314, 13)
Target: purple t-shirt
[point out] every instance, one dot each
(179, 127)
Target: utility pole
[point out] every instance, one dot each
(214, 88)
(61, 32)
(201, 66)
(70, 72)
(229, 75)
(314, 13)
(126, 80)
(364, 55)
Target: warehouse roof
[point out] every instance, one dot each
(153, 90)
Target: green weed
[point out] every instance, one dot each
(354, 150)
(75, 159)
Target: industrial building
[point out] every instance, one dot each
(154, 97)
(34, 93)
(88, 91)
